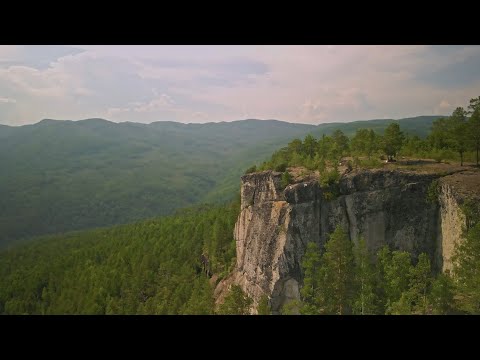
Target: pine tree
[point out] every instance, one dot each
(201, 300)
(393, 140)
(311, 281)
(442, 295)
(236, 302)
(337, 274)
(292, 308)
(474, 131)
(419, 286)
(263, 306)
(383, 257)
(309, 146)
(459, 131)
(286, 179)
(395, 269)
(466, 271)
(365, 297)
(403, 306)
(340, 144)
(364, 142)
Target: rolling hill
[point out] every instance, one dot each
(58, 176)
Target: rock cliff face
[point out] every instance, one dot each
(453, 191)
(385, 207)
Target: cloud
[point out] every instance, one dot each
(341, 102)
(444, 104)
(38, 57)
(161, 102)
(6, 100)
(446, 108)
(309, 84)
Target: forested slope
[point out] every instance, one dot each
(150, 267)
(58, 176)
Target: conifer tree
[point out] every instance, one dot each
(395, 269)
(420, 282)
(311, 281)
(337, 274)
(263, 306)
(236, 302)
(365, 297)
(466, 271)
(442, 295)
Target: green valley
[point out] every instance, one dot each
(59, 176)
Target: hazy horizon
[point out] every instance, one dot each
(217, 122)
(202, 84)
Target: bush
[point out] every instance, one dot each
(371, 164)
(236, 302)
(286, 179)
(251, 169)
(329, 178)
(471, 210)
(322, 166)
(438, 155)
(329, 182)
(264, 306)
(265, 166)
(281, 167)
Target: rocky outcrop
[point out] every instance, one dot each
(453, 191)
(383, 206)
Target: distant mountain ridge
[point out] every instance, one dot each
(180, 124)
(60, 175)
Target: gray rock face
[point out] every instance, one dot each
(260, 187)
(454, 190)
(452, 220)
(385, 207)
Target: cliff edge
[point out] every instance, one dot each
(385, 206)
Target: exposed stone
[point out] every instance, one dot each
(384, 206)
(260, 187)
(454, 190)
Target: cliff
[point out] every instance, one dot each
(385, 206)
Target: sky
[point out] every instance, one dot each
(200, 83)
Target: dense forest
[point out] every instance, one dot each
(59, 176)
(344, 278)
(158, 266)
(70, 175)
(165, 266)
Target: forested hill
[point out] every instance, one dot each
(149, 267)
(67, 175)
(419, 125)
(58, 176)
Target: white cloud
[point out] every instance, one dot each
(7, 100)
(446, 108)
(444, 104)
(8, 52)
(159, 103)
(309, 84)
(111, 112)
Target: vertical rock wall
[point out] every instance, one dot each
(385, 207)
